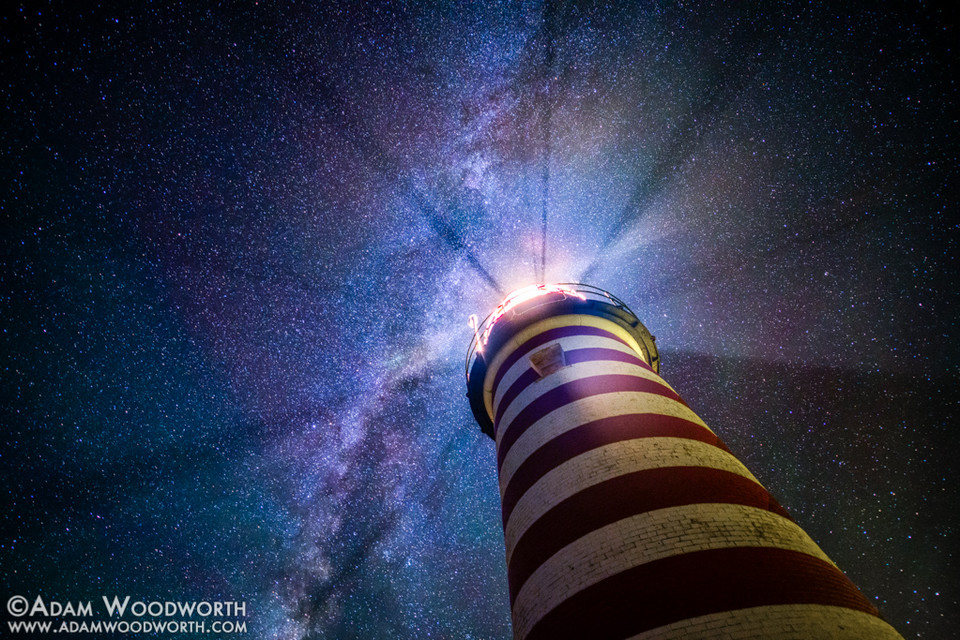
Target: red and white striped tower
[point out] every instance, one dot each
(624, 516)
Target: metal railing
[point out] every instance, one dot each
(481, 330)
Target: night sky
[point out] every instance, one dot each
(241, 243)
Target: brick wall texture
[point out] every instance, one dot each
(626, 517)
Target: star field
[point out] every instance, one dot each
(241, 244)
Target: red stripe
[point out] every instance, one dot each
(525, 379)
(575, 356)
(547, 336)
(624, 496)
(697, 584)
(596, 434)
(569, 392)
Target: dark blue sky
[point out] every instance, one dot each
(241, 244)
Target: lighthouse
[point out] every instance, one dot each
(624, 515)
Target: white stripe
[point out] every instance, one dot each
(784, 622)
(570, 373)
(607, 462)
(569, 344)
(554, 322)
(579, 412)
(647, 537)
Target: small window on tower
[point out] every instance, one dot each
(548, 360)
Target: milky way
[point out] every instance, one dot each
(241, 245)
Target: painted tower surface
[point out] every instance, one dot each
(624, 516)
